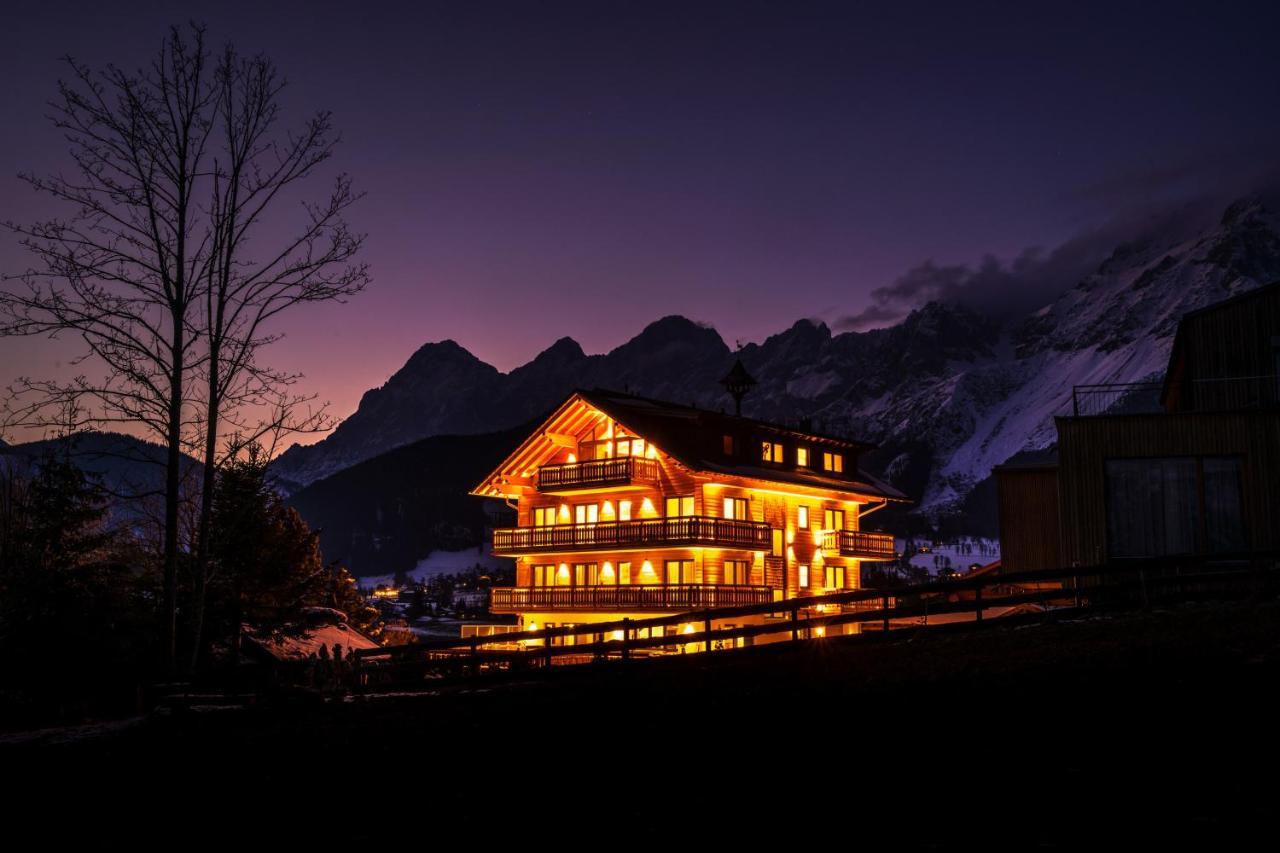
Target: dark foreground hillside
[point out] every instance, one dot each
(1151, 728)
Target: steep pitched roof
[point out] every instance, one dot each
(693, 438)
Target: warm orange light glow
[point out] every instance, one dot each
(564, 513)
(646, 509)
(647, 574)
(573, 457)
(820, 631)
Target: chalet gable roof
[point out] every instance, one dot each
(693, 438)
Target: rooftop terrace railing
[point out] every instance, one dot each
(1221, 394)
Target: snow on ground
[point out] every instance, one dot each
(958, 555)
(444, 563)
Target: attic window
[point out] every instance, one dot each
(802, 457)
(833, 462)
(730, 446)
(771, 451)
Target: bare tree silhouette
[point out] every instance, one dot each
(176, 166)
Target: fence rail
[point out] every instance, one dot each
(678, 530)
(1133, 583)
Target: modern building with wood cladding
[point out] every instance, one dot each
(630, 507)
(1186, 467)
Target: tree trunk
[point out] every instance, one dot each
(172, 486)
(207, 485)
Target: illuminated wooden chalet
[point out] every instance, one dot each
(630, 507)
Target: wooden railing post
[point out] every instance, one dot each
(546, 646)
(626, 639)
(795, 624)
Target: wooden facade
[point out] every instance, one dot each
(1030, 530)
(1085, 445)
(1226, 357)
(625, 506)
(1221, 399)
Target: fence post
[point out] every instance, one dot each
(626, 639)
(885, 608)
(546, 647)
(795, 624)
(706, 624)
(475, 663)
(977, 604)
(1076, 578)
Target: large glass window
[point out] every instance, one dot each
(833, 519)
(1174, 505)
(771, 451)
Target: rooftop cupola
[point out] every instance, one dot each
(738, 382)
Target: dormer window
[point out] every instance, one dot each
(833, 462)
(802, 457)
(771, 451)
(730, 446)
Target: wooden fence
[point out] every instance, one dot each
(1115, 586)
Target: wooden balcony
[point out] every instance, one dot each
(625, 597)
(858, 544)
(688, 530)
(597, 473)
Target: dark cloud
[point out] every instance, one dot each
(1005, 289)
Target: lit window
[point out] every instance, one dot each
(678, 506)
(777, 542)
(736, 571)
(679, 572)
(833, 519)
(802, 457)
(771, 451)
(624, 510)
(835, 577)
(544, 575)
(802, 517)
(624, 573)
(586, 513)
(804, 577)
(735, 508)
(544, 516)
(833, 462)
(730, 446)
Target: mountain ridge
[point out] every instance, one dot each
(947, 392)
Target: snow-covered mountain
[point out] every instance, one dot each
(947, 393)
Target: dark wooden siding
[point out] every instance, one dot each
(1084, 445)
(1226, 355)
(1028, 505)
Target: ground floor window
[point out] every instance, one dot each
(1174, 505)
(804, 577)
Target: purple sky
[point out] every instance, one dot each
(538, 170)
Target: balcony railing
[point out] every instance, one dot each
(625, 597)
(620, 471)
(661, 532)
(1222, 394)
(859, 544)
